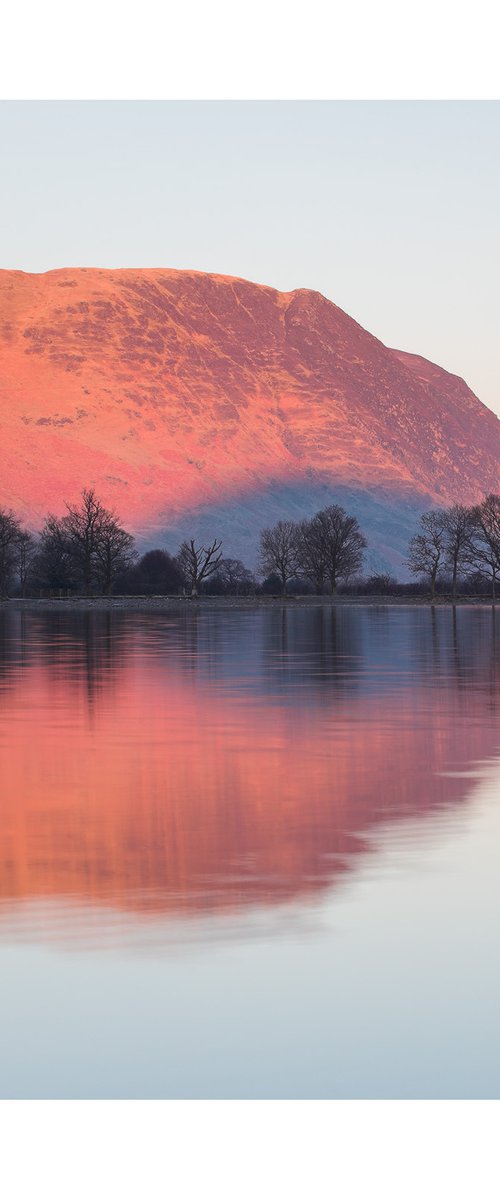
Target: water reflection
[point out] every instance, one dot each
(210, 761)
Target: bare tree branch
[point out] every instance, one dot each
(198, 563)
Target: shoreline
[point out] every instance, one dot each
(244, 603)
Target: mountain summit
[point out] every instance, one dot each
(208, 404)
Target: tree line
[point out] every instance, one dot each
(326, 549)
(87, 551)
(83, 551)
(460, 544)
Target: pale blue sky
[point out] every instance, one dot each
(388, 208)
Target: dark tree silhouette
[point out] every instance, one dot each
(198, 563)
(52, 565)
(11, 532)
(484, 547)
(87, 548)
(458, 529)
(312, 551)
(155, 574)
(84, 526)
(26, 555)
(279, 552)
(344, 545)
(114, 552)
(232, 578)
(380, 585)
(271, 585)
(427, 550)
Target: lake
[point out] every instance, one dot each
(250, 853)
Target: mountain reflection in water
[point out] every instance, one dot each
(208, 761)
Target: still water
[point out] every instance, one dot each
(250, 853)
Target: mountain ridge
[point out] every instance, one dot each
(182, 396)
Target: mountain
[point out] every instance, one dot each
(209, 405)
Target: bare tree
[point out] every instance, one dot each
(26, 554)
(10, 533)
(84, 526)
(53, 565)
(279, 552)
(100, 549)
(312, 551)
(114, 551)
(234, 576)
(344, 544)
(198, 563)
(458, 528)
(484, 546)
(427, 550)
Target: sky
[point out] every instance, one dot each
(389, 208)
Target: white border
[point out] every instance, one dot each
(267, 49)
(270, 49)
(250, 1151)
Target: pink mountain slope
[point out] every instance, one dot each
(201, 402)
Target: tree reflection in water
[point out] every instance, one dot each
(208, 761)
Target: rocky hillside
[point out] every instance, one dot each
(212, 405)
